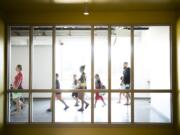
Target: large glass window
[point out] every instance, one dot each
(120, 54)
(100, 73)
(42, 58)
(73, 50)
(89, 74)
(73, 71)
(19, 56)
(152, 57)
(152, 107)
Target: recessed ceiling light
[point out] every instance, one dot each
(86, 10)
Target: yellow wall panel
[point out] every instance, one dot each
(1, 75)
(131, 17)
(28, 130)
(178, 68)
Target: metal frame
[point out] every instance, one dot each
(92, 74)
(109, 90)
(109, 74)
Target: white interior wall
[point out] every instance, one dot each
(151, 62)
(42, 66)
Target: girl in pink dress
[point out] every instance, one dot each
(98, 87)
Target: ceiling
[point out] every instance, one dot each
(13, 6)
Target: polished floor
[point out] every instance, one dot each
(144, 112)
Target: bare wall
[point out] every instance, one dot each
(178, 68)
(1, 75)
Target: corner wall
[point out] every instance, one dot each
(178, 71)
(1, 75)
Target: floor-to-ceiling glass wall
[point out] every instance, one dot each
(91, 74)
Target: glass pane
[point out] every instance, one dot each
(42, 107)
(152, 107)
(101, 53)
(120, 107)
(73, 50)
(152, 57)
(18, 107)
(42, 58)
(19, 58)
(120, 57)
(100, 106)
(67, 107)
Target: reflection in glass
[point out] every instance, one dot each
(19, 55)
(152, 107)
(42, 58)
(120, 54)
(18, 107)
(152, 57)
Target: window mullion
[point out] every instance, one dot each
(109, 74)
(92, 74)
(30, 72)
(132, 74)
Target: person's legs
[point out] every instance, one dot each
(59, 97)
(102, 99)
(75, 97)
(51, 104)
(18, 105)
(127, 95)
(95, 103)
(81, 97)
(127, 99)
(119, 97)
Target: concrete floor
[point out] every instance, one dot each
(120, 112)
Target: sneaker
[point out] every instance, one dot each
(76, 105)
(127, 104)
(81, 110)
(86, 106)
(66, 108)
(119, 102)
(48, 110)
(103, 105)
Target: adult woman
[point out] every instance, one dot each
(17, 84)
(75, 93)
(82, 85)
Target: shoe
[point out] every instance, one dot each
(66, 108)
(81, 110)
(76, 105)
(86, 106)
(127, 104)
(103, 105)
(119, 102)
(49, 110)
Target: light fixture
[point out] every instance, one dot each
(86, 10)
